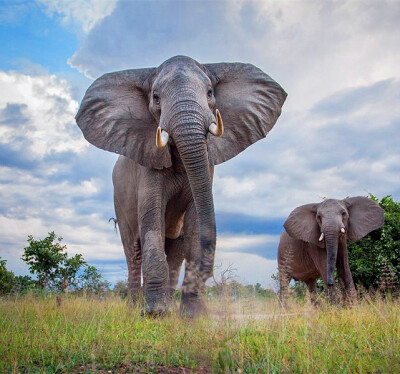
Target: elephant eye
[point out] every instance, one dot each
(343, 214)
(319, 217)
(156, 99)
(209, 93)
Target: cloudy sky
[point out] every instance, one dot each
(338, 134)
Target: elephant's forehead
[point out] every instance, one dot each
(332, 205)
(181, 72)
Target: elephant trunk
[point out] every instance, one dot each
(189, 137)
(331, 241)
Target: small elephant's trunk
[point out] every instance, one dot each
(331, 241)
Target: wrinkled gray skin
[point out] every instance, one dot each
(304, 257)
(163, 196)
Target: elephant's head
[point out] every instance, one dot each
(325, 224)
(143, 113)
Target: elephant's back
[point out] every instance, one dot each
(294, 259)
(125, 180)
(124, 168)
(288, 244)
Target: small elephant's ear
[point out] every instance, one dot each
(302, 224)
(114, 116)
(250, 103)
(365, 216)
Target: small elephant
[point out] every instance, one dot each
(166, 124)
(314, 242)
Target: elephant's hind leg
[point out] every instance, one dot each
(133, 255)
(174, 249)
(312, 290)
(283, 294)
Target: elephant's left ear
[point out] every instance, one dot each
(364, 216)
(114, 115)
(250, 103)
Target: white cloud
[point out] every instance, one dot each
(237, 242)
(312, 48)
(85, 13)
(37, 115)
(249, 268)
(88, 234)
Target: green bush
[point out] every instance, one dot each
(48, 260)
(375, 259)
(7, 279)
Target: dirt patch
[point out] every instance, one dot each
(252, 317)
(249, 317)
(140, 367)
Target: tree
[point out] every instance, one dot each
(375, 259)
(227, 275)
(121, 289)
(67, 272)
(49, 261)
(44, 258)
(93, 281)
(7, 279)
(23, 283)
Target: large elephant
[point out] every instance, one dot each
(314, 242)
(166, 123)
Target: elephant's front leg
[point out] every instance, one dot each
(154, 264)
(312, 290)
(319, 258)
(194, 282)
(344, 272)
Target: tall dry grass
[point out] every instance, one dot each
(248, 336)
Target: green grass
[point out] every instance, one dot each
(87, 334)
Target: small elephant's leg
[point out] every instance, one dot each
(320, 260)
(284, 280)
(192, 304)
(174, 249)
(312, 289)
(344, 273)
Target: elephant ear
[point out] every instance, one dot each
(302, 224)
(249, 102)
(114, 116)
(365, 216)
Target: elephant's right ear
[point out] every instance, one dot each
(114, 116)
(302, 224)
(365, 215)
(250, 103)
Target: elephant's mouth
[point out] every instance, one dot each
(216, 127)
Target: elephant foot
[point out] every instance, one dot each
(156, 305)
(350, 298)
(192, 307)
(172, 303)
(316, 304)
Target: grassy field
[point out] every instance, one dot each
(85, 335)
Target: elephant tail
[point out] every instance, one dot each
(115, 223)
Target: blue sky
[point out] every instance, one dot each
(338, 134)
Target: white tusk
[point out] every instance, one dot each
(343, 230)
(161, 138)
(217, 129)
(213, 129)
(321, 238)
